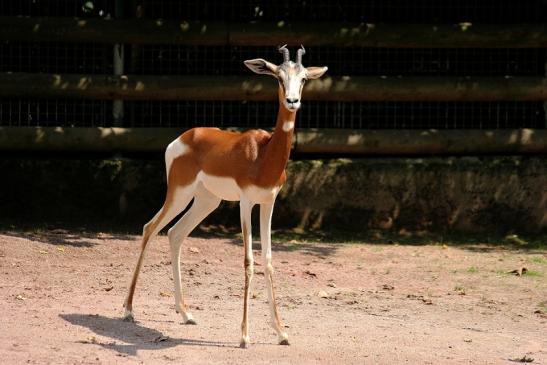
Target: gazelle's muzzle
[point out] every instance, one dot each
(292, 104)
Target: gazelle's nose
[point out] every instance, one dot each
(291, 101)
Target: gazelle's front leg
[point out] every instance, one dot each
(266, 243)
(245, 212)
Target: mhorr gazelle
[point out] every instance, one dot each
(209, 165)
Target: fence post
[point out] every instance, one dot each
(545, 102)
(118, 61)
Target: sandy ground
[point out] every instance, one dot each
(61, 296)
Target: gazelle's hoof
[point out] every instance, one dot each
(284, 339)
(189, 319)
(244, 344)
(128, 316)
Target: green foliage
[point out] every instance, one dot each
(539, 260)
(532, 273)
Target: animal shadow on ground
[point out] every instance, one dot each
(313, 249)
(133, 335)
(62, 237)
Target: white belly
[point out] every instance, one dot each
(226, 188)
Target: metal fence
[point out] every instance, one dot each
(79, 8)
(225, 60)
(416, 11)
(55, 57)
(24, 112)
(351, 115)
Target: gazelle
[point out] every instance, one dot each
(209, 165)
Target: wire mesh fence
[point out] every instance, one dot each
(386, 11)
(226, 60)
(352, 115)
(72, 8)
(56, 57)
(242, 114)
(26, 112)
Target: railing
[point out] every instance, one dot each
(346, 88)
(255, 88)
(141, 31)
(314, 141)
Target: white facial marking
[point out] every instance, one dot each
(174, 150)
(288, 126)
(292, 78)
(293, 89)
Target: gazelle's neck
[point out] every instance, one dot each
(279, 147)
(283, 134)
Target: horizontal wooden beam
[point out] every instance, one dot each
(422, 142)
(59, 139)
(307, 141)
(263, 88)
(138, 87)
(130, 31)
(143, 31)
(464, 35)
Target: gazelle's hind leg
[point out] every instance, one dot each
(177, 199)
(204, 203)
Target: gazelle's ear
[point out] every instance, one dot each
(315, 72)
(261, 66)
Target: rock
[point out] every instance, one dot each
(322, 294)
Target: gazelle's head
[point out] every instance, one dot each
(290, 75)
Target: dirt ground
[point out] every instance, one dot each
(61, 296)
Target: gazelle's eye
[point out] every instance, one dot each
(303, 81)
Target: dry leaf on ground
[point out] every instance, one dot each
(312, 274)
(518, 272)
(525, 358)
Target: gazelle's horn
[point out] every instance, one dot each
(285, 51)
(299, 54)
